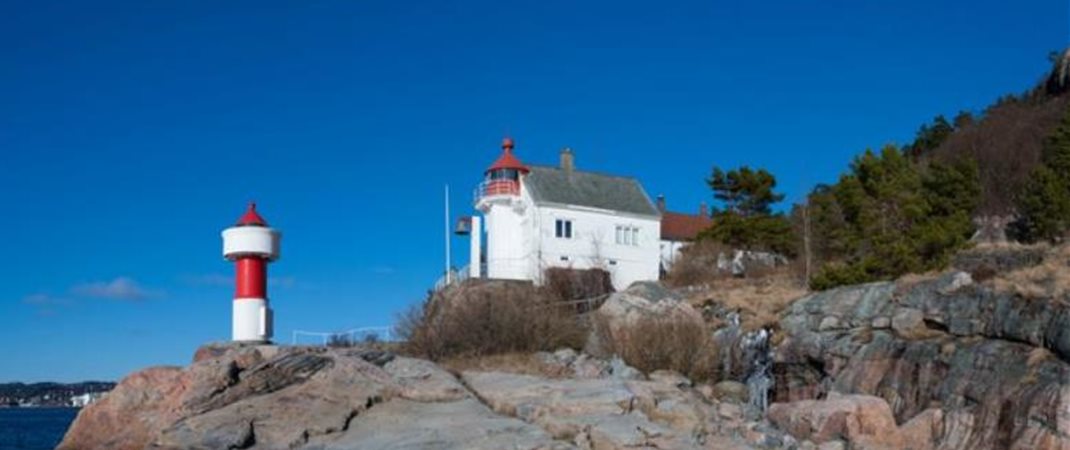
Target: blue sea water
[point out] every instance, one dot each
(34, 428)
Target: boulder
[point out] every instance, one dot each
(644, 300)
(731, 391)
(864, 421)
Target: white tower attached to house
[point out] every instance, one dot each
(500, 199)
(251, 245)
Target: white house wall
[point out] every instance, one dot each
(670, 252)
(593, 244)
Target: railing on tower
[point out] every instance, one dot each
(492, 188)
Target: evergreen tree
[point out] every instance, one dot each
(895, 217)
(746, 219)
(744, 191)
(1044, 202)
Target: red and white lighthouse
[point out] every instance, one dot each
(251, 244)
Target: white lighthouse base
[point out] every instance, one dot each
(252, 320)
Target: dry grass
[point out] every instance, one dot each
(759, 301)
(697, 265)
(654, 343)
(488, 318)
(1048, 279)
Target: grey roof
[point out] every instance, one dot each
(594, 190)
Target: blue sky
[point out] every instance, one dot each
(131, 134)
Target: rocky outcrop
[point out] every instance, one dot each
(269, 397)
(297, 397)
(996, 365)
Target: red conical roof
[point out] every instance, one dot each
(251, 217)
(508, 160)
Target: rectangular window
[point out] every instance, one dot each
(627, 235)
(563, 229)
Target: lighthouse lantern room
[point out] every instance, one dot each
(501, 199)
(251, 245)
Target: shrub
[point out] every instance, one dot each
(487, 318)
(653, 343)
(577, 284)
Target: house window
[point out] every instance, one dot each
(563, 229)
(627, 235)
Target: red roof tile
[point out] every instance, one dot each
(682, 227)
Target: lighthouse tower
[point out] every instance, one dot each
(251, 244)
(501, 199)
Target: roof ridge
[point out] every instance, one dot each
(590, 172)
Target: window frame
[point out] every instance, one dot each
(563, 228)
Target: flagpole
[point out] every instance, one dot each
(449, 277)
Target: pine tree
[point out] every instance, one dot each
(746, 219)
(1044, 202)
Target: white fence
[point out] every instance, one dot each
(355, 335)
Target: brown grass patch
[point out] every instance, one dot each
(488, 318)
(759, 301)
(1048, 279)
(652, 343)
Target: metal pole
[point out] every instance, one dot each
(449, 279)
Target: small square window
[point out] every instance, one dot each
(563, 229)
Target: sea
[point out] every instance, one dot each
(34, 428)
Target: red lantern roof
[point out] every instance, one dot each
(508, 160)
(251, 218)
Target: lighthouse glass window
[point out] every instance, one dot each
(563, 229)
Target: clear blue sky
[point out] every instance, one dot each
(131, 134)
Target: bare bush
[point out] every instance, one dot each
(652, 343)
(1006, 144)
(697, 264)
(577, 284)
(486, 318)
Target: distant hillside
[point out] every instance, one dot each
(48, 394)
(1006, 140)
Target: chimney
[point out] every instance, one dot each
(703, 210)
(661, 203)
(568, 163)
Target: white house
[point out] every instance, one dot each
(539, 217)
(679, 230)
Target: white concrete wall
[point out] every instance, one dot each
(508, 224)
(670, 252)
(593, 244)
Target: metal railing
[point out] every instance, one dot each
(492, 188)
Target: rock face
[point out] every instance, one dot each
(267, 397)
(995, 364)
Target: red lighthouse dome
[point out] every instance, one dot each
(508, 161)
(251, 217)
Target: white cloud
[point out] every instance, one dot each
(121, 288)
(42, 299)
